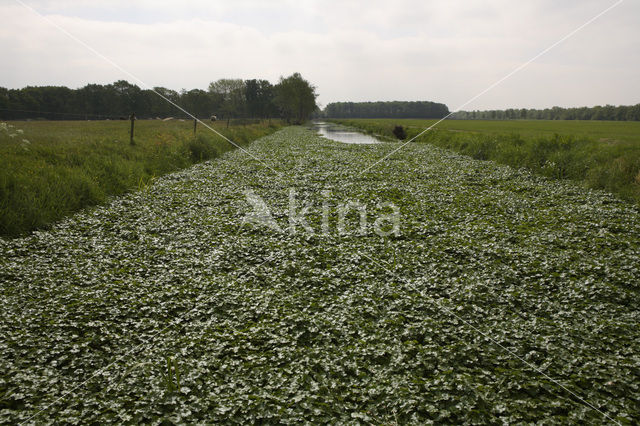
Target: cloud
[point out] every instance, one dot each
(408, 50)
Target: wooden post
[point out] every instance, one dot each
(228, 119)
(195, 124)
(132, 117)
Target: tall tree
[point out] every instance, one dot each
(198, 102)
(259, 98)
(129, 96)
(296, 98)
(232, 92)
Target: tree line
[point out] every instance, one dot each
(293, 98)
(394, 109)
(607, 112)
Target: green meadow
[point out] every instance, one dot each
(604, 131)
(50, 169)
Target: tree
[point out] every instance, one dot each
(129, 96)
(197, 102)
(232, 92)
(259, 98)
(295, 97)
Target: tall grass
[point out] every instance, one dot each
(609, 161)
(52, 169)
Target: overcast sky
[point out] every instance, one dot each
(445, 51)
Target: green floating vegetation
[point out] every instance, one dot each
(601, 155)
(506, 297)
(51, 169)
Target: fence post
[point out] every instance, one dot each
(132, 117)
(195, 124)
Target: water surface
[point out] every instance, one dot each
(343, 134)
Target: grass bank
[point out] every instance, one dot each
(601, 155)
(51, 169)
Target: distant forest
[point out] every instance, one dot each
(399, 109)
(395, 109)
(607, 112)
(292, 98)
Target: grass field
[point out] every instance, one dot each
(49, 169)
(506, 297)
(600, 155)
(606, 131)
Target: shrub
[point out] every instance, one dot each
(399, 132)
(202, 148)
